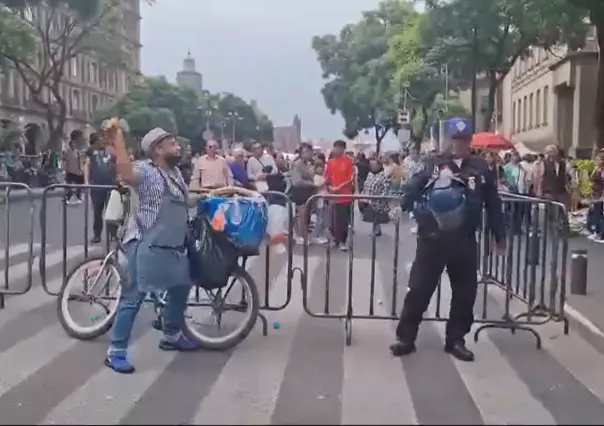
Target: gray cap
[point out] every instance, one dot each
(154, 136)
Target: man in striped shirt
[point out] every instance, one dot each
(154, 243)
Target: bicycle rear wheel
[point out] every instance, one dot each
(101, 287)
(220, 302)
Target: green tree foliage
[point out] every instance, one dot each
(488, 36)
(358, 72)
(41, 45)
(417, 81)
(155, 102)
(595, 10)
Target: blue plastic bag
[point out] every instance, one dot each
(243, 219)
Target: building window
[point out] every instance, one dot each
(519, 120)
(531, 106)
(514, 117)
(74, 68)
(538, 108)
(524, 115)
(545, 104)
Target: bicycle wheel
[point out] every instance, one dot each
(247, 301)
(101, 287)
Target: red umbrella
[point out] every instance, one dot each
(489, 140)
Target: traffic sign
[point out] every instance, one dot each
(404, 116)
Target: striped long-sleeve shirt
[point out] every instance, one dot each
(150, 191)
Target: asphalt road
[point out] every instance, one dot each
(302, 372)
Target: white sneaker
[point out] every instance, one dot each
(320, 240)
(76, 201)
(343, 247)
(299, 240)
(592, 236)
(414, 230)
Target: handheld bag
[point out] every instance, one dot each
(212, 257)
(243, 219)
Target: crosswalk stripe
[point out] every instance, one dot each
(510, 400)
(368, 365)
(107, 397)
(244, 395)
(577, 355)
(302, 372)
(28, 356)
(36, 297)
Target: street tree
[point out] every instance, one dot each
(358, 71)
(487, 37)
(417, 81)
(153, 101)
(61, 30)
(595, 10)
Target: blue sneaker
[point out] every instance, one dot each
(183, 344)
(119, 363)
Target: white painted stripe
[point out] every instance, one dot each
(36, 297)
(375, 390)
(108, 396)
(19, 249)
(577, 355)
(246, 392)
(500, 395)
(28, 356)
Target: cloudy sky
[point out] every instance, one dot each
(257, 49)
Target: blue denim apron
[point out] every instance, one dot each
(161, 257)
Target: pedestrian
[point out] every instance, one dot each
(449, 194)
(154, 243)
(74, 172)
(376, 184)
(302, 188)
(99, 169)
(211, 171)
(340, 179)
(321, 207)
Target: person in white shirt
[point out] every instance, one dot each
(322, 209)
(260, 166)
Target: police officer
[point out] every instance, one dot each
(448, 195)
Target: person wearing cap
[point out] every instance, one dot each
(99, 169)
(154, 242)
(447, 197)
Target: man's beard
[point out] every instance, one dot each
(172, 160)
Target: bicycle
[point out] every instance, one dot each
(109, 269)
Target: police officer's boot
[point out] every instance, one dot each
(458, 350)
(402, 347)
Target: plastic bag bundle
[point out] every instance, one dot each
(212, 256)
(243, 219)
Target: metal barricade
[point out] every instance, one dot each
(534, 268)
(533, 271)
(348, 315)
(44, 229)
(6, 288)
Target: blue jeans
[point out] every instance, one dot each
(595, 218)
(131, 301)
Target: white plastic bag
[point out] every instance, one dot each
(277, 226)
(114, 212)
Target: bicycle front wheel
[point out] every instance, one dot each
(95, 286)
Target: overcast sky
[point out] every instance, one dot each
(257, 49)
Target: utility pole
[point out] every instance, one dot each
(474, 70)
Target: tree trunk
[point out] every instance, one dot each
(56, 125)
(598, 21)
(380, 133)
(488, 115)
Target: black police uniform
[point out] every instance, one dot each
(455, 251)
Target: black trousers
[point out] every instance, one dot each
(73, 179)
(340, 219)
(456, 253)
(99, 198)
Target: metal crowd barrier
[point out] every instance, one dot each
(44, 226)
(533, 271)
(6, 288)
